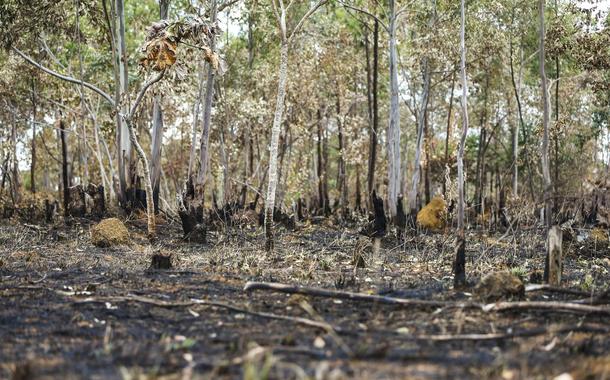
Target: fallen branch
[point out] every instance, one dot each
(568, 307)
(319, 292)
(493, 307)
(554, 289)
(192, 302)
(518, 334)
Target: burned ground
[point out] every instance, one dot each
(73, 310)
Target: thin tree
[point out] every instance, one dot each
(393, 132)
(33, 162)
(280, 11)
(157, 127)
(459, 266)
(546, 170)
(207, 114)
(420, 141)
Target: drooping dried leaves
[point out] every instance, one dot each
(160, 54)
(160, 47)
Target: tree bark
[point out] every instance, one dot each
(374, 128)
(279, 110)
(459, 267)
(124, 156)
(207, 116)
(341, 170)
(448, 133)
(419, 143)
(546, 172)
(480, 185)
(275, 135)
(195, 125)
(33, 161)
(393, 134)
(15, 175)
(64, 167)
(517, 90)
(157, 130)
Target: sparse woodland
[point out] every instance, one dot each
(310, 189)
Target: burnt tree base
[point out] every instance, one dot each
(193, 226)
(159, 262)
(459, 265)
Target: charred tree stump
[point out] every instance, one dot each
(98, 206)
(401, 220)
(50, 210)
(194, 231)
(299, 210)
(159, 262)
(77, 205)
(377, 226)
(554, 261)
(459, 265)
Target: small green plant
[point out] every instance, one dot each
(587, 284)
(520, 272)
(256, 369)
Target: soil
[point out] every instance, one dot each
(72, 310)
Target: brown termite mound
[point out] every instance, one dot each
(432, 216)
(498, 286)
(109, 232)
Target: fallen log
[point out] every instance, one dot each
(567, 307)
(319, 292)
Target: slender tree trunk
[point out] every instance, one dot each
(33, 161)
(448, 134)
(157, 137)
(342, 176)
(556, 137)
(546, 172)
(322, 201)
(196, 112)
(459, 267)
(393, 134)
(84, 160)
(375, 126)
(150, 204)
(419, 143)
(517, 90)
(16, 175)
(207, 116)
(157, 130)
(358, 205)
(427, 137)
(123, 142)
(64, 167)
(275, 135)
(480, 185)
(107, 182)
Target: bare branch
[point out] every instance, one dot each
(143, 90)
(305, 17)
(226, 5)
(364, 11)
(65, 77)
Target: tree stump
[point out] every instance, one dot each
(159, 262)
(98, 208)
(50, 210)
(376, 228)
(555, 259)
(77, 206)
